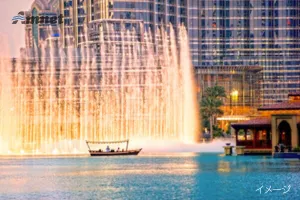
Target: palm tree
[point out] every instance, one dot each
(211, 103)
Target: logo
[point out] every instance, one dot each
(41, 19)
(19, 17)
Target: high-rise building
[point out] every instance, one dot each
(153, 14)
(261, 33)
(222, 33)
(76, 19)
(37, 32)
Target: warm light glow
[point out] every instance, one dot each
(141, 93)
(55, 151)
(235, 93)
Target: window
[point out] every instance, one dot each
(241, 135)
(262, 135)
(249, 134)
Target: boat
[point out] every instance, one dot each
(123, 152)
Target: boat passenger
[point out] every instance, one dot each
(107, 149)
(118, 149)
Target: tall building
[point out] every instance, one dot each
(260, 33)
(222, 33)
(37, 32)
(76, 19)
(153, 14)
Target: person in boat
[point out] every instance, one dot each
(118, 149)
(107, 149)
(100, 150)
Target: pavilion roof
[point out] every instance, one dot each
(281, 106)
(256, 122)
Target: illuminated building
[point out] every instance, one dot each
(242, 86)
(276, 124)
(222, 33)
(260, 33)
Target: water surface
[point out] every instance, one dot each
(150, 176)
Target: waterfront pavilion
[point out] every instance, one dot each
(276, 124)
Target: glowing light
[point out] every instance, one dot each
(75, 151)
(144, 93)
(235, 93)
(55, 151)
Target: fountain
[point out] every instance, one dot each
(136, 88)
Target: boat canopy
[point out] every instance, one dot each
(107, 142)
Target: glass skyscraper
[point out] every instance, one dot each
(222, 33)
(262, 33)
(36, 33)
(153, 13)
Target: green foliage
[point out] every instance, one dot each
(297, 149)
(217, 132)
(205, 123)
(228, 132)
(212, 101)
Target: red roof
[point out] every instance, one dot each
(282, 106)
(253, 123)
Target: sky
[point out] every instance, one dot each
(14, 34)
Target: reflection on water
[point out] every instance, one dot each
(223, 166)
(149, 176)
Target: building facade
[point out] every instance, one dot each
(36, 33)
(261, 33)
(242, 87)
(276, 124)
(222, 33)
(153, 14)
(77, 15)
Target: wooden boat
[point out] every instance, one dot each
(123, 152)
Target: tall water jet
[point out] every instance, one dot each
(130, 86)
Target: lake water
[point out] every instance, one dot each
(150, 176)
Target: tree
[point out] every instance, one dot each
(211, 103)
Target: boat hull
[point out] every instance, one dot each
(120, 153)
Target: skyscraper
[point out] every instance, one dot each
(222, 33)
(263, 33)
(153, 14)
(76, 19)
(36, 32)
